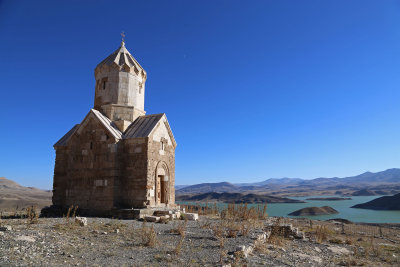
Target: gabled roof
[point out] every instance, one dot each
(142, 126)
(63, 141)
(107, 123)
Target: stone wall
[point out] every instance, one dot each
(60, 176)
(120, 88)
(119, 112)
(135, 173)
(87, 173)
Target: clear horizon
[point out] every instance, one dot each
(252, 90)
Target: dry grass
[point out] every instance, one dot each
(71, 213)
(321, 233)
(179, 228)
(230, 211)
(242, 212)
(148, 236)
(178, 247)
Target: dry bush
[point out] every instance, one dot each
(218, 230)
(260, 246)
(71, 213)
(148, 235)
(372, 249)
(232, 229)
(32, 215)
(321, 233)
(245, 229)
(180, 228)
(232, 233)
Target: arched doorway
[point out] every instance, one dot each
(162, 183)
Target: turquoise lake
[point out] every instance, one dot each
(342, 206)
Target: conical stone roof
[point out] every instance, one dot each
(123, 60)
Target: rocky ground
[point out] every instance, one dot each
(210, 241)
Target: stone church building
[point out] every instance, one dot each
(117, 157)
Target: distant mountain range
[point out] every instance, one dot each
(13, 195)
(379, 183)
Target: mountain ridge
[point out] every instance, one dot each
(366, 180)
(14, 195)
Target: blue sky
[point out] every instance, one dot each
(252, 89)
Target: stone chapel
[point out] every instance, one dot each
(117, 157)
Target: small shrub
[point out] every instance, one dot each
(71, 211)
(321, 233)
(244, 229)
(180, 228)
(232, 233)
(148, 236)
(260, 246)
(32, 215)
(217, 230)
(233, 229)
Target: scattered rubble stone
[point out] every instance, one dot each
(246, 250)
(25, 238)
(190, 216)
(151, 218)
(339, 250)
(82, 221)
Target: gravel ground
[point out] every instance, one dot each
(111, 242)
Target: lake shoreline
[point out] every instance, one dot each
(343, 207)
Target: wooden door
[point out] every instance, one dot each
(158, 193)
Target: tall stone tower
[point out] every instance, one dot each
(120, 87)
(118, 157)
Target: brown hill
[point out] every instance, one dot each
(382, 203)
(13, 195)
(310, 211)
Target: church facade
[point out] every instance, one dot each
(117, 157)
